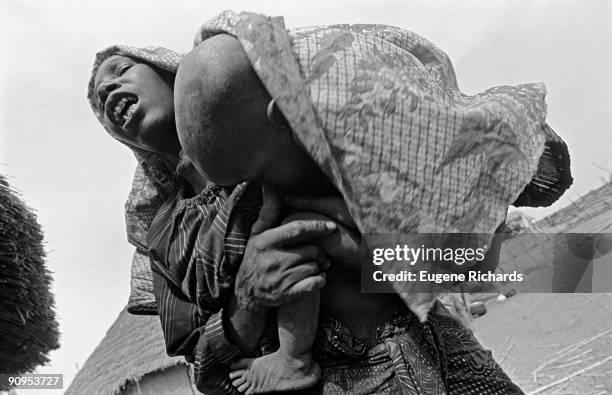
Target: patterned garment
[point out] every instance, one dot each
(378, 108)
(196, 246)
(197, 243)
(440, 356)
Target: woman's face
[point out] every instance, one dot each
(137, 103)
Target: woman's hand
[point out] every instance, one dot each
(343, 247)
(281, 263)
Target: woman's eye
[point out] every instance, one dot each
(124, 68)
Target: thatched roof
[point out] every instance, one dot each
(530, 251)
(133, 347)
(28, 328)
(585, 215)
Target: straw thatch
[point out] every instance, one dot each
(590, 213)
(531, 250)
(132, 348)
(28, 329)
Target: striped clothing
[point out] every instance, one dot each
(195, 246)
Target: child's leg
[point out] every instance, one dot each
(291, 367)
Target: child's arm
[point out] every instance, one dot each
(332, 206)
(342, 246)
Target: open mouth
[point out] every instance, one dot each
(123, 110)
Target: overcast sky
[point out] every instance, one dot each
(77, 178)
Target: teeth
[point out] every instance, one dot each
(130, 112)
(118, 114)
(122, 102)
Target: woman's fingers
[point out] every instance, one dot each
(299, 231)
(300, 272)
(306, 285)
(270, 260)
(296, 280)
(306, 254)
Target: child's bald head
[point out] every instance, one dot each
(220, 107)
(223, 126)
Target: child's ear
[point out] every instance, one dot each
(276, 117)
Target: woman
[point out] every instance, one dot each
(131, 94)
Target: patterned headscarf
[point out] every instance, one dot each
(154, 180)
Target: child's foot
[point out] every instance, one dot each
(274, 372)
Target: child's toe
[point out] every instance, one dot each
(244, 387)
(239, 381)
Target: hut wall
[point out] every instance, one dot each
(172, 381)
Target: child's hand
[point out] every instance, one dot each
(332, 207)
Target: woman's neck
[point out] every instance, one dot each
(186, 170)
